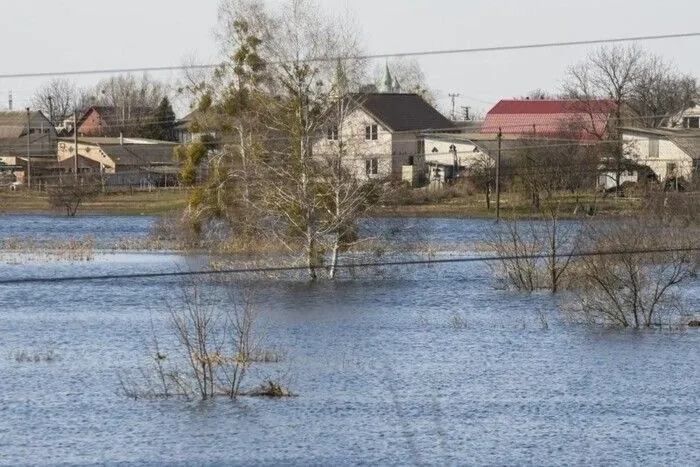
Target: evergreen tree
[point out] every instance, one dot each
(161, 123)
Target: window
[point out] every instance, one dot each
(653, 148)
(410, 160)
(372, 166)
(332, 133)
(670, 169)
(371, 132)
(691, 122)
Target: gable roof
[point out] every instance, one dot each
(550, 117)
(113, 116)
(687, 140)
(13, 124)
(133, 151)
(402, 112)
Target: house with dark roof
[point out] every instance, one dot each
(27, 143)
(551, 118)
(123, 161)
(670, 153)
(382, 134)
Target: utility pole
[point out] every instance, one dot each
(29, 153)
(465, 109)
(50, 99)
(498, 177)
(75, 143)
(453, 97)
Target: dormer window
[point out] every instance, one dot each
(332, 133)
(371, 132)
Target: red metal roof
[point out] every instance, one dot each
(550, 118)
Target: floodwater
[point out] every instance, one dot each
(424, 365)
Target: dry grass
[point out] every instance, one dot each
(16, 250)
(138, 202)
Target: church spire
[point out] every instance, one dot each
(388, 81)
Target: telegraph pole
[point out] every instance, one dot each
(29, 153)
(465, 109)
(50, 99)
(498, 177)
(75, 141)
(453, 97)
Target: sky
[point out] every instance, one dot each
(41, 36)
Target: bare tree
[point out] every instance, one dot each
(134, 100)
(286, 111)
(216, 345)
(56, 99)
(409, 76)
(344, 197)
(535, 254)
(637, 285)
(642, 88)
(482, 173)
(661, 92)
(70, 193)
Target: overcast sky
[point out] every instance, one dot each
(66, 35)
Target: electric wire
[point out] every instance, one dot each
(498, 48)
(150, 275)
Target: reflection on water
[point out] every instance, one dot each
(383, 373)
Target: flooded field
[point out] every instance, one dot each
(420, 365)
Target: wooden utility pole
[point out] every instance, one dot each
(29, 153)
(75, 143)
(50, 99)
(453, 97)
(498, 176)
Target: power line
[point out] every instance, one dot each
(150, 275)
(501, 48)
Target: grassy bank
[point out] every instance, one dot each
(512, 205)
(138, 202)
(474, 205)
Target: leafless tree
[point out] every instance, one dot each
(296, 43)
(216, 344)
(344, 197)
(70, 193)
(57, 99)
(637, 285)
(535, 254)
(642, 88)
(482, 173)
(661, 92)
(409, 75)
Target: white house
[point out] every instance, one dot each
(447, 154)
(670, 153)
(688, 118)
(382, 134)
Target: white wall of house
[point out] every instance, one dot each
(90, 151)
(360, 150)
(662, 155)
(406, 151)
(437, 150)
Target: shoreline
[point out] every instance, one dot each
(161, 201)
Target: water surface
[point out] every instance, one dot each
(384, 375)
